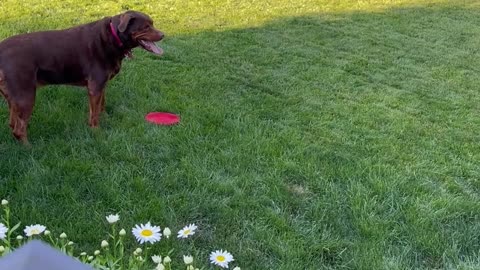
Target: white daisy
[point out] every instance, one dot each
(104, 244)
(34, 230)
(187, 231)
(167, 232)
(221, 258)
(3, 231)
(187, 259)
(112, 218)
(147, 233)
(157, 259)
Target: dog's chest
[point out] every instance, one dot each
(115, 69)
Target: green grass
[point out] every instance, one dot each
(314, 134)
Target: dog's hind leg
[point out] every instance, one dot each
(4, 93)
(20, 95)
(20, 113)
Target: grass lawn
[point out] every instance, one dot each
(315, 134)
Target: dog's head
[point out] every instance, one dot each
(136, 29)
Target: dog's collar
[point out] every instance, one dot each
(115, 35)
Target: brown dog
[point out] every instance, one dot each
(87, 55)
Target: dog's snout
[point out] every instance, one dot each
(162, 35)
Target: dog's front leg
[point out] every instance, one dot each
(96, 88)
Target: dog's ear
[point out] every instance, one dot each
(124, 21)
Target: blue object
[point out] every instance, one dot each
(39, 256)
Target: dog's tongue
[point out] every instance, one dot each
(151, 47)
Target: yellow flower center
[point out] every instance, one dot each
(220, 258)
(146, 233)
(187, 231)
(35, 231)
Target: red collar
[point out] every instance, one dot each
(115, 35)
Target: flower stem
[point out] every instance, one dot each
(7, 224)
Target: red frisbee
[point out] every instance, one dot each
(162, 118)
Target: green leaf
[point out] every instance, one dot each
(14, 228)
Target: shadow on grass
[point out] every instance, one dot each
(328, 141)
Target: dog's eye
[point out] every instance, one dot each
(146, 27)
